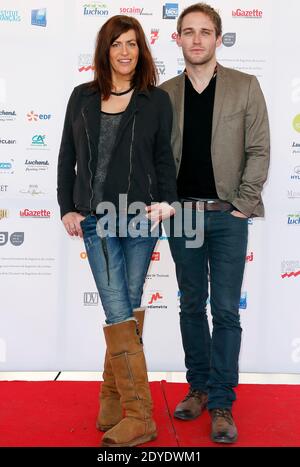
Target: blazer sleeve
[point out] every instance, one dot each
(66, 162)
(164, 160)
(257, 151)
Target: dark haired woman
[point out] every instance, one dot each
(117, 134)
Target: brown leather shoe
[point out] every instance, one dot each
(223, 426)
(191, 406)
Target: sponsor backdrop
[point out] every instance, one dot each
(50, 316)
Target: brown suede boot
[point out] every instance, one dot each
(110, 411)
(129, 367)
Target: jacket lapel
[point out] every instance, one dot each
(179, 100)
(220, 92)
(92, 114)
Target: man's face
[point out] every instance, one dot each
(198, 39)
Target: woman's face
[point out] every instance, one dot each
(124, 54)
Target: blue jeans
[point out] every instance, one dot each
(212, 361)
(119, 265)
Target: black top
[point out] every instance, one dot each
(108, 133)
(196, 177)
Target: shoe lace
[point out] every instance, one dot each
(225, 413)
(194, 393)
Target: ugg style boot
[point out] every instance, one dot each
(129, 368)
(110, 411)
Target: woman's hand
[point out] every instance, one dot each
(159, 211)
(71, 221)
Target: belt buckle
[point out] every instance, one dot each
(200, 206)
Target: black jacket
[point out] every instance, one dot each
(141, 163)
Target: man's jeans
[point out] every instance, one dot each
(119, 266)
(212, 361)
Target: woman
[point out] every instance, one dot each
(117, 133)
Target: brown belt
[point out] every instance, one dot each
(207, 205)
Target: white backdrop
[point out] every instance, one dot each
(50, 316)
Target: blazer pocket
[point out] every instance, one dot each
(228, 118)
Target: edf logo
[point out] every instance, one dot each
(34, 117)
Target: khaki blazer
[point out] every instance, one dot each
(240, 144)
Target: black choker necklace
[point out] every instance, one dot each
(121, 93)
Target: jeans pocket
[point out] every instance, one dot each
(83, 220)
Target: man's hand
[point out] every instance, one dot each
(71, 221)
(159, 211)
(236, 213)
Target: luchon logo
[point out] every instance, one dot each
(228, 39)
(32, 190)
(34, 117)
(7, 167)
(10, 16)
(16, 238)
(296, 123)
(95, 9)
(36, 165)
(174, 36)
(155, 256)
(7, 115)
(290, 269)
(154, 36)
(39, 17)
(293, 219)
(7, 141)
(85, 63)
(38, 142)
(296, 174)
(133, 10)
(296, 148)
(170, 11)
(3, 214)
(255, 13)
(90, 298)
(154, 300)
(35, 214)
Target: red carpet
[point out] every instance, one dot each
(59, 413)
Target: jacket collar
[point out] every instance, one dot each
(92, 114)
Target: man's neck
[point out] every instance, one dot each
(200, 75)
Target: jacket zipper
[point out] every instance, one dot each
(90, 158)
(130, 155)
(150, 184)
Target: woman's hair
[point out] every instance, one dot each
(145, 74)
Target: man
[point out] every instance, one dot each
(220, 142)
